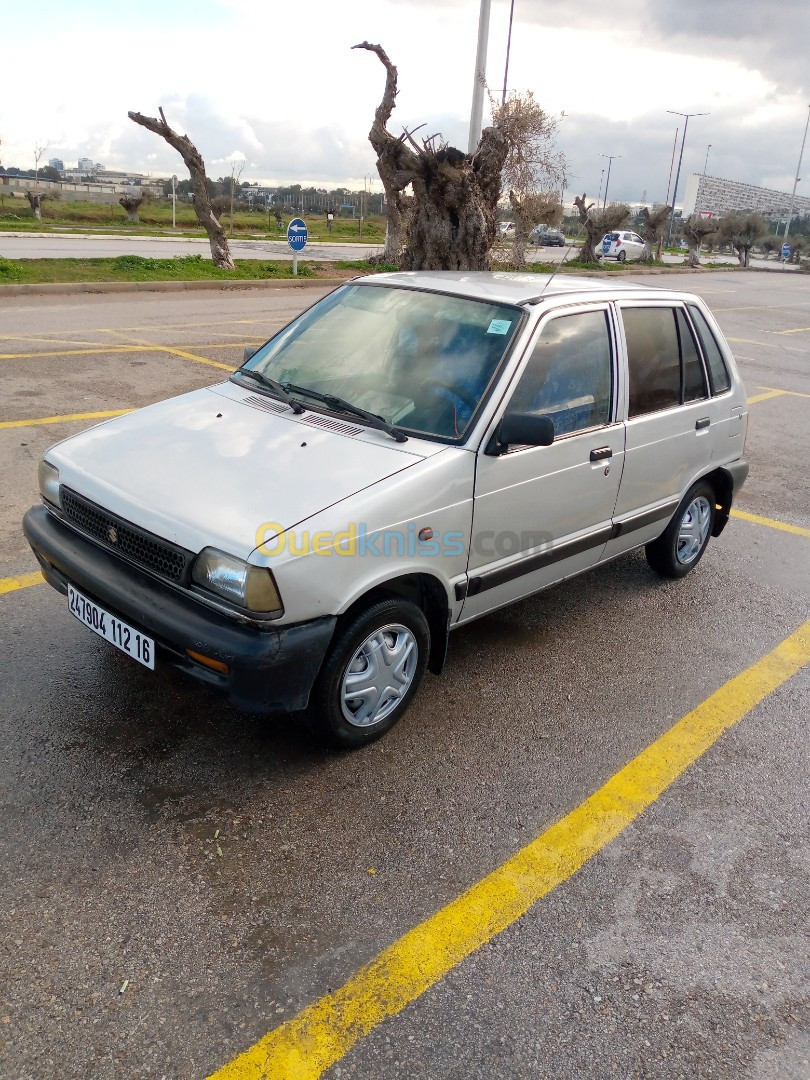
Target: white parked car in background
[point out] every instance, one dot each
(621, 246)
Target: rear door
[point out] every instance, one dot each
(542, 513)
(669, 420)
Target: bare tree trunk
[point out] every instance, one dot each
(220, 252)
(451, 216)
(530, 209)
(387, 158)
(593, 233)
(35, 200)
(652, 230)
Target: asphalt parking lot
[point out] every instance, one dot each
(181, 879)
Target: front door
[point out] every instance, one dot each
(542, 513)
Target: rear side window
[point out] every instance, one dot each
(664, 363)
(694, 379)
(654, 358)
(718, 372)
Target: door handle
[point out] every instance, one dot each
(601, 453)
(702, 423)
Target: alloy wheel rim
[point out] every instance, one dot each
(379, 675)
(693, 530)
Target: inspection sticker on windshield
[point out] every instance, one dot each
(499, 326)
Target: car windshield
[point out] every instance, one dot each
(422, 361)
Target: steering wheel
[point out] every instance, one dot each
(457, 391)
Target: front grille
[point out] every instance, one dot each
(140, 547)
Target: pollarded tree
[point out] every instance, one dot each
(220, 252)
(451, 216)
(131, 203)
(534, 170)
(742, 230)
(652, 225)
(36, 199)
(598, 222)
(696, 231)
(529, 210)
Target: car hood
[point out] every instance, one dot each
(213, 467)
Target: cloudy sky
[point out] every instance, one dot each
(277, 83)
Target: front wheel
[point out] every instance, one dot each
(681, 546)
(372, 671)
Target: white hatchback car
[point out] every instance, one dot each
(620, 245)
(412, 452)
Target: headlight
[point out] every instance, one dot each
(49, 483)
(250, 587)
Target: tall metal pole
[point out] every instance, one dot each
(174, 203)
(674, 112)
(610, 158)
(796, 181)
(508, 48)
(601, 181)
(477, 111)
(706, 162)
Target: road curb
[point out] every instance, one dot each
(68, 288)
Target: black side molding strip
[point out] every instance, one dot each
(641, 521)
(484, 582)
(491, 580)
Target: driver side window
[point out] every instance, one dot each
(568, 377)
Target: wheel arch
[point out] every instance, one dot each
(723, 485)
(427, 593)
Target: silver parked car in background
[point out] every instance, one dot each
(412, 452)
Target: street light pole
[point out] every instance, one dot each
(601, 181)
(796, 181)
(674, 112)
(477, 110)
(508, 48)
(610, 158)
(174, 202)
(706, 162)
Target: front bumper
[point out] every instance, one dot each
(271, 669)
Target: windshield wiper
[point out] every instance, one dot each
(271, 384)
(340, 404)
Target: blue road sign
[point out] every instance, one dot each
(606, 245)
(297, 234)
(785, 251)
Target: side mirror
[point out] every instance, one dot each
(522, 429)
(250, 351)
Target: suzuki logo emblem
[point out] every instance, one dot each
(112, 534)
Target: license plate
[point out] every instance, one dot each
(101, 622)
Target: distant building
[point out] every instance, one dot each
(56, 163)
(711, 196)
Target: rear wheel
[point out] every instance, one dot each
(372, 671)
(622, 256)
(681, 547)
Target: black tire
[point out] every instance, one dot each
(401, 624)
(622, 256)
(673, 556)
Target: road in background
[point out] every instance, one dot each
(181, 878)
(89, 246)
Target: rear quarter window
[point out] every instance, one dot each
(718, 372)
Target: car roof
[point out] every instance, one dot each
(509, 288)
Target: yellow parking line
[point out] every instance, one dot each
(746, 341)
(71, 352)
(64, 419)
(764, 397)
(321, 1034)
(795, 330)
(783, 526)
(193, 356)
(11, 584)
(793, 393)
